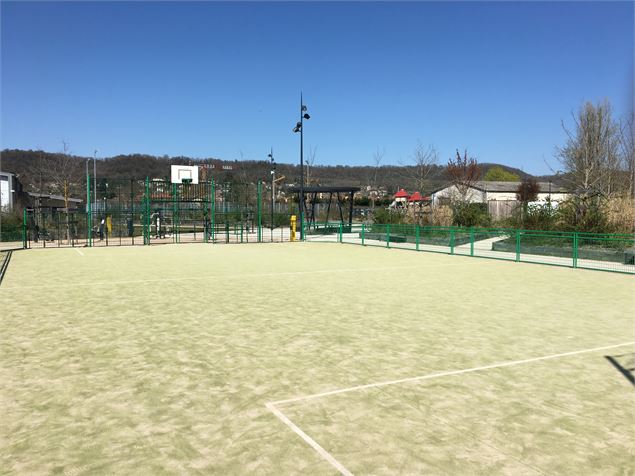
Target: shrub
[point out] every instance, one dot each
(470, 214)
(441, 216)
(620, 214)
(583, 214)
(535, 216)
(386, 216)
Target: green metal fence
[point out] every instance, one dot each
(144, 212)
(607, 252)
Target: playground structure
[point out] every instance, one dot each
(315, 197)
(144, 212)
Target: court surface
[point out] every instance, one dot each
(311, 358)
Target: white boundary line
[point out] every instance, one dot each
(310, 441)
(80, 253)
(446, 374)
(272, 406)
(224, 276)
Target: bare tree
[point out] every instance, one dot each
(591, 157)
(463, 172)
(421, 166)
(378, 156)
(310, 162)
(425, 160)
(626, 143)
(63, 176)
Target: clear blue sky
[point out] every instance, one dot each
(220, 79)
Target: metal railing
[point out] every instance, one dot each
(606, 252)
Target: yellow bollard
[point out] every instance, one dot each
(293, 220)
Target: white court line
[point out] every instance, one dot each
(446, 374)
(81, 254)
(311, 442)
(271, 406)
(226, 276)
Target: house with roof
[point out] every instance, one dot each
(485, 191)
(400, 198)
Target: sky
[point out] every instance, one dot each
(223, 80)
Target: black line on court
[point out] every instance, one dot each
(626, 372)
(5, 265)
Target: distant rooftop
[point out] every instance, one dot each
(495, 186)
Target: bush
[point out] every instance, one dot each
(441, 216)
(385, 216)
(470, 214)
(580, 214)
(535, 217)
(620, 214)
(11, 227)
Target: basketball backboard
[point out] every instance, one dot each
(184, 174)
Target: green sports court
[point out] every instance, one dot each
(311, 358)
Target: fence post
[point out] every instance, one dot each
(341, 230)
(259, 212)
(363, 233)
(24, 228)
(417, 237)
(388, 236)
(452, 240)
(517, 245)
(146, 210)
(471, 241)
(175, 218)
(213, 212)
(575, 249)
(89, 215)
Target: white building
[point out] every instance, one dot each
(8, 191)
(483, 192)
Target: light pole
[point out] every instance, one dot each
(273, 184)
(299, 128)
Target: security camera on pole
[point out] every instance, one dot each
(299, 128)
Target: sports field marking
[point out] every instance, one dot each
(80, 253)
(271, 406)
(310, 441)
(226, 277)
(449, 373)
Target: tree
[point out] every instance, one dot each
(310, 162)
(499, 174)
(63, 172)
(425, 160)
(463, 172)
(591, 156)
(626, 143)
(527, 190)
(378, 156)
